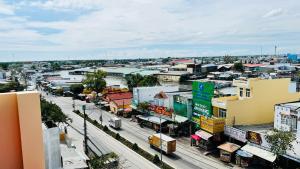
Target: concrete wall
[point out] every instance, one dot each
(146, 94)
(259, 108)
(52, 147)
(21, 143)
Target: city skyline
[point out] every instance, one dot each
(93, 29)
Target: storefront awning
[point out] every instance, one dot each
(229, 147)
(264, 154)
(195, 137)
(180, 119)
(203, 134)
(244, 154)
(152, 119)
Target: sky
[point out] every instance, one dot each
(118, 29)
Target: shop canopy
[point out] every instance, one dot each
(244, 154)
(229, 147)
(195, 137)
(203, 134)
(264, 154)
(152, 119)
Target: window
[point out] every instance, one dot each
(247, 92)
(290, 121)
(293, 123)
(241, 92)
(222, 113)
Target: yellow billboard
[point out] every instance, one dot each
(212, 125)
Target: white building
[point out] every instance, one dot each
(51, 145)
(146, 94)
(286, 118)
(2, 74)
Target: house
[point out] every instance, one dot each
(242, 108)
(286, 119)
(121, 105)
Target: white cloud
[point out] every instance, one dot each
(273, 13)
(114, 26)
(67, 4)
(6, 9)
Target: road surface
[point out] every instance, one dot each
(185, 157)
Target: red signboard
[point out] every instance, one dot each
(161, 110)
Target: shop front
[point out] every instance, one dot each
(203, 140)
(227, 151)
(261, 157)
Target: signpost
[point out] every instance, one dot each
(203, 92)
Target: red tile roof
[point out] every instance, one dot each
(122, 101)
(118, 96)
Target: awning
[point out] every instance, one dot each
(195, 137)
(244, 154)
(229, 147)
(264, 154)
(203, 134)
(180, 119)
(152, 119)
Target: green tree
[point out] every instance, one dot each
(13, 85)
(238, 66)
(143, 106)
(52, 112)
(135, 80)
(95, 81)
(280, 141)
(55, 66)
(76, 88)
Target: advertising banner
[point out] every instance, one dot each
(180, 106)
(203, 92)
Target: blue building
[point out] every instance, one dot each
(293, 57)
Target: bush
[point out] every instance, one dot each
(105, 128)
(156, 159)
(95, 122)
(135, 147)
(118, 136)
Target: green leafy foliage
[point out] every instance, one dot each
(238, 66)
(135, 80)
(280, 141)
(135, 147)
(52, 112)
(76, 88)
(95, 81)
(156, 159)
(144, 106)
(14, 85)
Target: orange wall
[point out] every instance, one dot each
(21, 144)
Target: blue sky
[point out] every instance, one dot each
(116, 29)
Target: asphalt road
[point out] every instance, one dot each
(128, 158)
(185, 157)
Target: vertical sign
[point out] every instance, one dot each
(203, 92)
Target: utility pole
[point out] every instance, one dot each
(85, 130)
(160, 138)
(275, 50)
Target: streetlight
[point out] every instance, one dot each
(160, 138)
(100, 118)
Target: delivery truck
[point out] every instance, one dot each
(115, 123)
(168, 143)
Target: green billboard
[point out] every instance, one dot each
(203, 92)
(180, 106)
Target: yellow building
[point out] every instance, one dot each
(254, 102)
